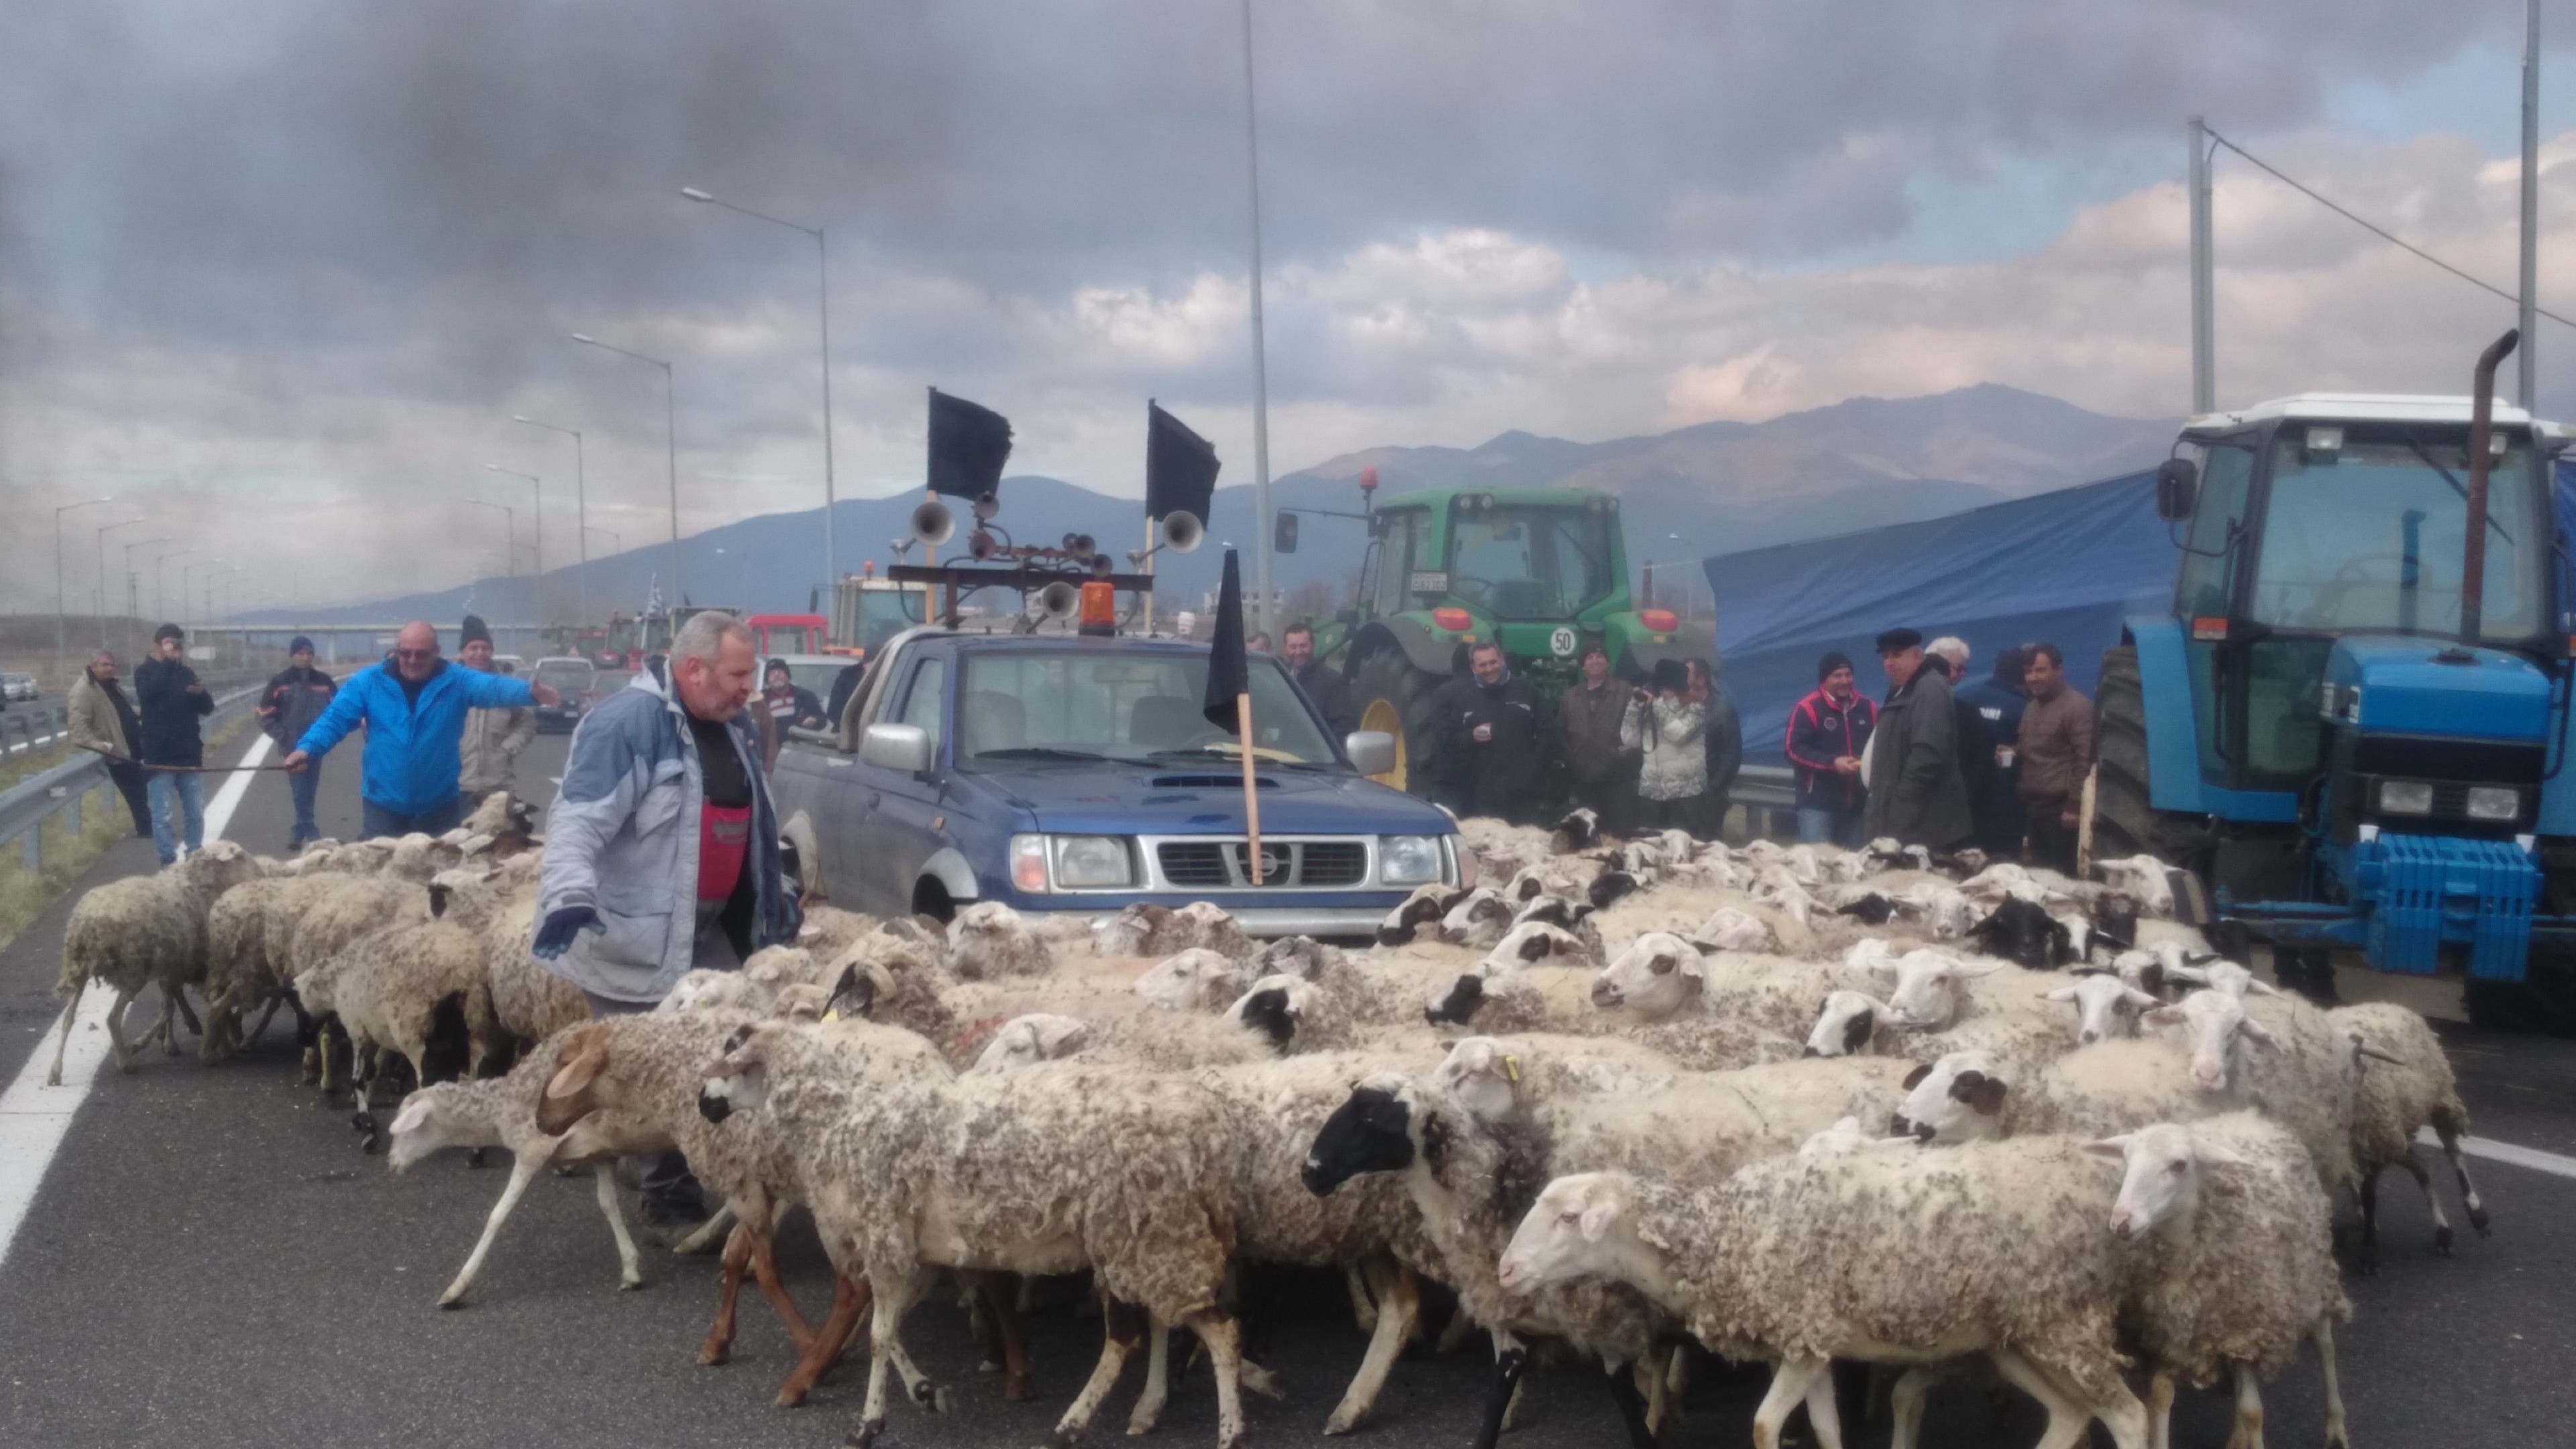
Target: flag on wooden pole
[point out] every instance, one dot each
(1228, 703)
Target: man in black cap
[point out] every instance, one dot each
(1916, 794)
(171, 702)
(294, 699)
(488, 751)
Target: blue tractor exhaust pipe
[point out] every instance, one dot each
(2473, 568)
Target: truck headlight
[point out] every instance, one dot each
(1090, 862)
(1408, 860)
(2405, 797)
(2494, 802)
(1029, 862)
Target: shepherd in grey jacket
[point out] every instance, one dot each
(1916, 793)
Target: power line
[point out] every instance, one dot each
(2381, 232)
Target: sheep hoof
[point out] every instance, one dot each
(864, 1435)
(2442, 1240)
(788, 1399)
(474, 1157)
(1344, 1421)
(1261, 1381)
(2478, 1220)
(629, 1285)
(371, 1144)
(714, 1355)
(451, 1300)
(932, 1396)
(1016, 1389)
(362, 1120)
(1062, 1438)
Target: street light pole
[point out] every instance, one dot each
(671, 444)
(62, 615)
(536, 532)
(1260, 361)
(158, 560)
(103, 532)
(510, 516)
(133, 593)
(823, 290)
(617, 541)
(581, 517)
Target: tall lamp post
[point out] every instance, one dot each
(133, 589)
(158, 560)
(580, 513)
(1260, 357)
(509, 516)
(616, 540)
(103, 532)
(823, 309)
(670, 444)
(536, 533)
(62, 615)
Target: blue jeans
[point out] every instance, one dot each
(379, 821)
(1830, 827)
(190, 791)
(302, 785)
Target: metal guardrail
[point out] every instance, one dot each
(27, 805)
(25, 726)
(1769, 795)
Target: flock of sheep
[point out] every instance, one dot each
(1799, 1104)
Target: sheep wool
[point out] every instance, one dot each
(145, 931)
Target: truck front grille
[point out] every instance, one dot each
(1195, 865)
(1221, 864)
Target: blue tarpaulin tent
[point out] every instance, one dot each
(2065, 567)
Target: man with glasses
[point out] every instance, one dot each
(413, 706)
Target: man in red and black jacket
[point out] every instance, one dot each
(1827, 731)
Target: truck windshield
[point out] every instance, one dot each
(884, 613)
(2372, 538)
(1133, 708)
(1530, 563)
(570, 676)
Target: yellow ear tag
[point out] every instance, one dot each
(1512, 1068)
(832, 1015)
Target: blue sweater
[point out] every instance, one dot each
(412, 763)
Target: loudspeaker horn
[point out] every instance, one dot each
(933, 524)
(1057, 600)
(981, 545)
(1080, 545)
(986, 505)
(1182, 531)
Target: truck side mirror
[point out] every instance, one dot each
(896, 747)
(2177, 489)
(1283, 533)
(1372, 752)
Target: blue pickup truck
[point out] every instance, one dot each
(1061, 773)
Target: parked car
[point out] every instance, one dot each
(1061, 773)
(18, 689)
(575, 682)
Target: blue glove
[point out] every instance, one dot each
(555, 936)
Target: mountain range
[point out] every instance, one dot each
(1708, 489)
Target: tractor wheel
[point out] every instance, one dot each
(2125, 821)
(1394, 697)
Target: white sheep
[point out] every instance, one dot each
(988, 941)
(1146, 929)
(147, 930)
(2406, 1085)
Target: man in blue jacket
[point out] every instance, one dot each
(414, 708)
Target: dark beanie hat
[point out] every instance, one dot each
(1897, 639)
(1834, 659)
(299, 645)
(776, 664)
(473, 629)
(168, 631)
(1671, 674)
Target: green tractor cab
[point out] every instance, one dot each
(1537, 570)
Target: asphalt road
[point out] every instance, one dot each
(211, 1261)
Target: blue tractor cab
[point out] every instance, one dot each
(2345, 746)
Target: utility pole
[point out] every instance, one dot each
(1260, 362)
(2526, 365)
(2204, 346)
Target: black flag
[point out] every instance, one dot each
(968, 445)
(1180, 466)
(1229, 673)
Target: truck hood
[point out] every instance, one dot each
(2417, 686)
(1138, 800)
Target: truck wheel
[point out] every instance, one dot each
(1395, 697)
(2125, 822)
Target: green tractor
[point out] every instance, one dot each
(1535, 569)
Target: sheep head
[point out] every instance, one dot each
(1843, 1027)
(2218, 1028)
(2105, 1006)
(1195, 980)
(1025, 1041)
(1959, 1098)
(1483, 1076)
(2160, 1179)
(1378, 1128)
(1659, 974)
(1581, 1226)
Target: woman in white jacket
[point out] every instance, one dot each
(1666, 726)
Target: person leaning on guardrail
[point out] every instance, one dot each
(99, 717)
(173, 700)
(414, 708)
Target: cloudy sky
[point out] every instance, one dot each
(274, 274)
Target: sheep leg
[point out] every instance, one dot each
(177, 994)
(2324, 1338)
(1905, 1404)
(764, 1268)
(166, 1028)
(630, 1268)
(1632, 1407)
(996, 1291)
(849, 1299)
(1398, 1304)
(2365, 1260)
(718, 1345)
(71, 1008)
(2070, 1414)
(2449, 1132)
(1790, 1383)
(1223, 1338)
(241, 1040)
(1363, 1307)
(524, 1167)
(710, 1237)
(2432, 1204)
(1123, 1329)
(1824, 1412)
(894, 1291)
(2248, 1433)
(1158, 1380)
(115, 1024)
(2160, 1402)
(1510, 1362)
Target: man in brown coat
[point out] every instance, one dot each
(103, 719)
(1588, 715)
(2056, 754)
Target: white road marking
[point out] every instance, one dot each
(2488, 1147)
(34, 1118)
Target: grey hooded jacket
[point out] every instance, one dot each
(622, 839)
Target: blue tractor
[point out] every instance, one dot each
(2351, 728)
